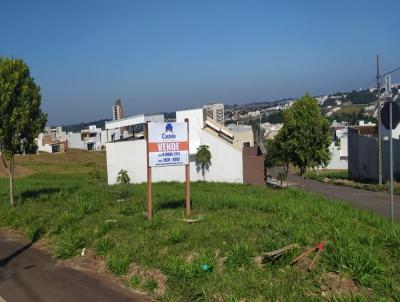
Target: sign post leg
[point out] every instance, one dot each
(187, 172)
(149, 184)
(149, 195)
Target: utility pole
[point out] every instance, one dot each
(378, 90)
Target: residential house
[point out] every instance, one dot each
(52, 140)
(229, 162)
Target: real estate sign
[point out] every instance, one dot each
(168, 144)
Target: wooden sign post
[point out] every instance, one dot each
(149, 183)
(187, 172)
(167, 145)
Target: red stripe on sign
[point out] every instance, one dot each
(164, 147)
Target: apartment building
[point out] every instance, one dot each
(215, 111)
(117, 110)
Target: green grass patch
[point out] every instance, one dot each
(331, 174)
(215, 259)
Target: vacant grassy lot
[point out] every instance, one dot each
(71, 208)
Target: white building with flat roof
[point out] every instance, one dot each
(130, 154)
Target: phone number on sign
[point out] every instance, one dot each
(171, 159)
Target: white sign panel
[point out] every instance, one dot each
(168, 144)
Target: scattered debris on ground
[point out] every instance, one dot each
(274, 255)
(317, 248)
(192, 220)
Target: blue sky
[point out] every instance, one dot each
(165, 55)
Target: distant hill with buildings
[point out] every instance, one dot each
(81, 126)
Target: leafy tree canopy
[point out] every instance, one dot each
(21, 119)
(305, 135)
(203, 158)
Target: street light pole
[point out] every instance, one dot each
(391, 159)
(378, 90)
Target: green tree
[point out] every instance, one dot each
(21, 119)
(123, 177)
(306, 135)
(203, 159)
(283, 149)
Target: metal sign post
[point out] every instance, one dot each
(390, 119)
(391, 159)
(167, 145)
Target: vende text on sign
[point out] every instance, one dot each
(168, 144)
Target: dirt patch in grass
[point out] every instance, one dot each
(258, 260)
(96, 267)
(88, 263)
(72, 161)
(12, 235)
(332, 284)
(19, 171)
(304, 264)
(143, 275)
(190, 256)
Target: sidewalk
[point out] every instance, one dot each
(28, 274)
(378, 202)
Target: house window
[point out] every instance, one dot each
(246, 144)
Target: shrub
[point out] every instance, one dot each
(123, 177)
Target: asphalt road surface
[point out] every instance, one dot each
(378, 202)
(28, 274)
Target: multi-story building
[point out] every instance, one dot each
(52, 140)
(91, 139)
(215, 111)
(118, 110)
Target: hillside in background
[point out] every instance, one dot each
(80, 126)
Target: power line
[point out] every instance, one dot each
(396, 69)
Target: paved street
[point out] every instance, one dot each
(28, 274)
(378, 202)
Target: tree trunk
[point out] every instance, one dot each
(203, 172)
(302, 172)
(11, 188)
(10, 171)
(286, 170)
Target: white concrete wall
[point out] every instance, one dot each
(41, 147)
(226, 162)
(395, 132)
(196, 124)
(74, 141)
(338, 160)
